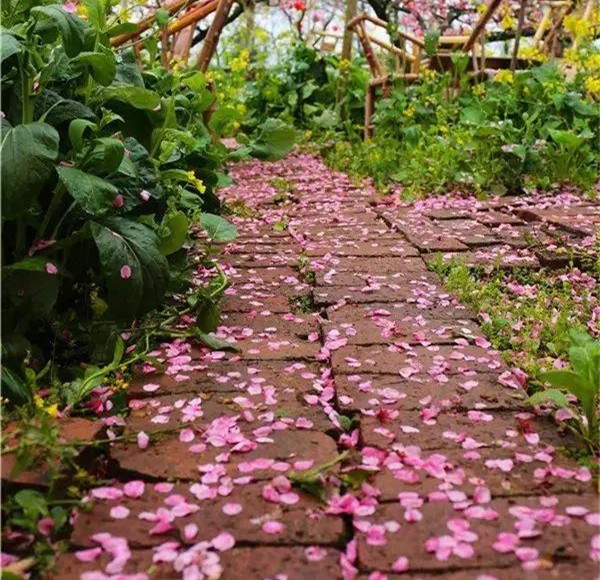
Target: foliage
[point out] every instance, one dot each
(301, 89)
(532, 130)
(536, 319)
(526, 314)
(583, 381)
(104, 169)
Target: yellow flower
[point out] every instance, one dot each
(344, 64)
(479, 90)
(578, 27)
(409, 112)
(504, 76)
(241, 108)
(82, 11)
(508, 22)
(39, 402)
(208, 76)
(198, 183)
(235, 125)
(51, 410)
(592, 85)
(593, 62)
(532, 53)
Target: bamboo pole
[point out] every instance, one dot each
(347, 40)
(209, 46)
(193, 16)
(519, 31)
(368, 51)
(147, 23)
(346, 52)
(480, 26)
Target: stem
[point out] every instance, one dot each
(56, 199)
(26, 108)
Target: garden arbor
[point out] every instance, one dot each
(412, 54)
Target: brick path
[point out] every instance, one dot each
(430, 466)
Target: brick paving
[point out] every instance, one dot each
(365, 429)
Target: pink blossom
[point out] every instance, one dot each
(51, 268)
(125, 272)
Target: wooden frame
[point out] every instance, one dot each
(410, 63)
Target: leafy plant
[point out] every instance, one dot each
(582, 381)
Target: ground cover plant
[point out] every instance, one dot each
(542, 322)
(221, 356)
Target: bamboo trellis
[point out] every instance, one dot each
(410, 61)
(179, 34)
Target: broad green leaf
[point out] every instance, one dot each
(219, 230)
(175, 228)
(137, 97)
(549, 395)
(567, 139)
(77, 128)
(101, 65)
(9, 44)
(134, 268)
(94, 194)
(113, 153)
(69, 26)
(27, 156)
(562, 379)
(275, 140)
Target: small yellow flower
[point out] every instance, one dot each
(409, 112)
(38, 401)
(479, 90)
(235, 125)
(508, 22)
(592, 85)
(593, 62)
(241, 108)
(504, 76)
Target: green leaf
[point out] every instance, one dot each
(549, 395)
(29, 289)
(9, 44)
(175, 227)
(113, 153)
(77, 128)
(94, 194)
(213, 342)
(162, 17)
(123, 28)
(431, 41)
(28, 154)
(567, 139)
(69, 26)
(562, 379)
(96, 14)
(275, 140)
(219, 230)
(101, 65)
(125, 243)
(137, 97)
(14, 388)
(32, 502)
